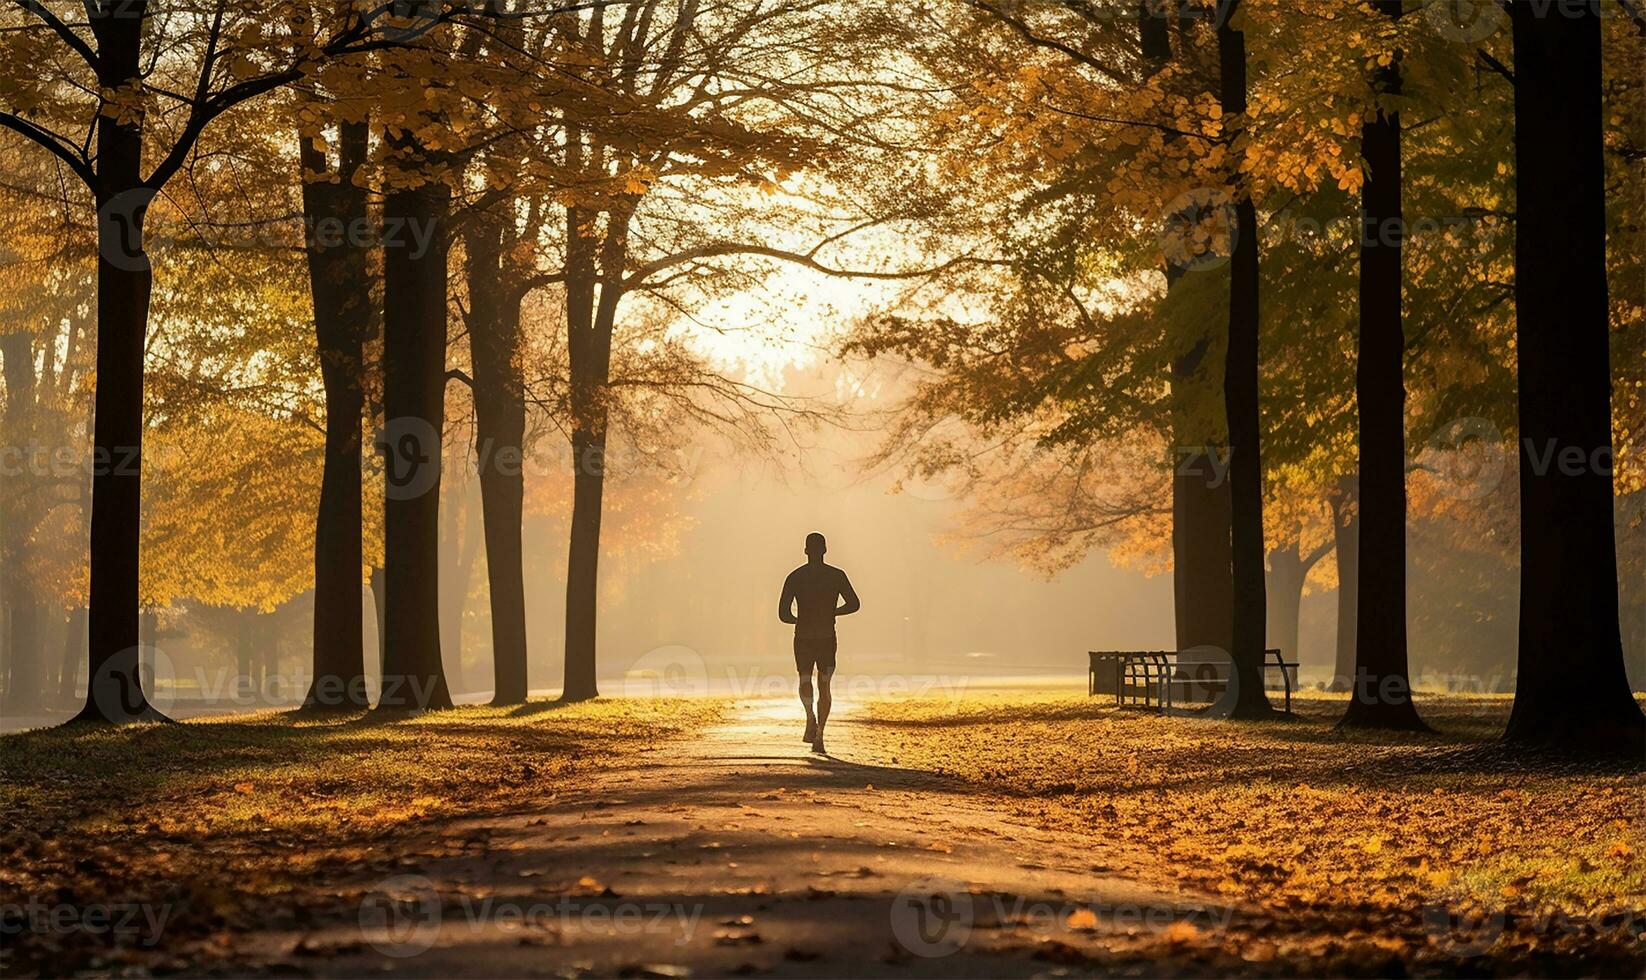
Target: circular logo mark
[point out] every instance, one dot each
(120, 229)
(929, 487)
(126, 681)
(667, 672)
(1202, 672)
(411, 457)
(1467, 457)
(1198, 230)
(401, 916)
(1466, 21)
(409, 20)
(932, 917)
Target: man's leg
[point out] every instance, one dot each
(806, 702)
(825, 674)
(824, 699)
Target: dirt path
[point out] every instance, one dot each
(743, 854)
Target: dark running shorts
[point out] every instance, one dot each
(814, 651)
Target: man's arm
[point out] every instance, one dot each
(785, 605)
(847, 593)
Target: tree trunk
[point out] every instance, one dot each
(340, 281)
(124, 281)
(1202, 569)
(583, 568)
(1346, 530)
(25, 659)
(590, 327)
(1285, 598)
(457, 556)
(500, 432)
(1572, 689)
(74, 648)
(379, 601)
(1202, 582)
(245, 680)
(273, 690)
(23, 687)
(1380, 688)
(414, 371)
(1240, 392)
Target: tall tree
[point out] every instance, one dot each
(414, 384)
(655, 64)
(1241, 398)
(493, 319)
(335, 210)
(1202, 563)
(219, 58)
(1380, 690)
(1572, 689)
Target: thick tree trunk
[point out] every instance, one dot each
(414, 372)
(1572, 689)
(1241, 399)
(500, 431)
(1202, 569)
(124, 282)
(340, 281)
(1346, 521)
(1380, 688)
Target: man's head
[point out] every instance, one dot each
(816, 547)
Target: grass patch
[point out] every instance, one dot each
(215, 818)
(1365, 833)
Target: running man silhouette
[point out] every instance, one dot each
(816, 587)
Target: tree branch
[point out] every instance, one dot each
(62, 30)
(802, 259)
(51, 141)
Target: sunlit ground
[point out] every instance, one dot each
(215, 817)
(1382, 835)
(1349, 845)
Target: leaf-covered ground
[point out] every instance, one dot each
(209, 824)
(1357, 845)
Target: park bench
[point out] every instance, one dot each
(1166, 678)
